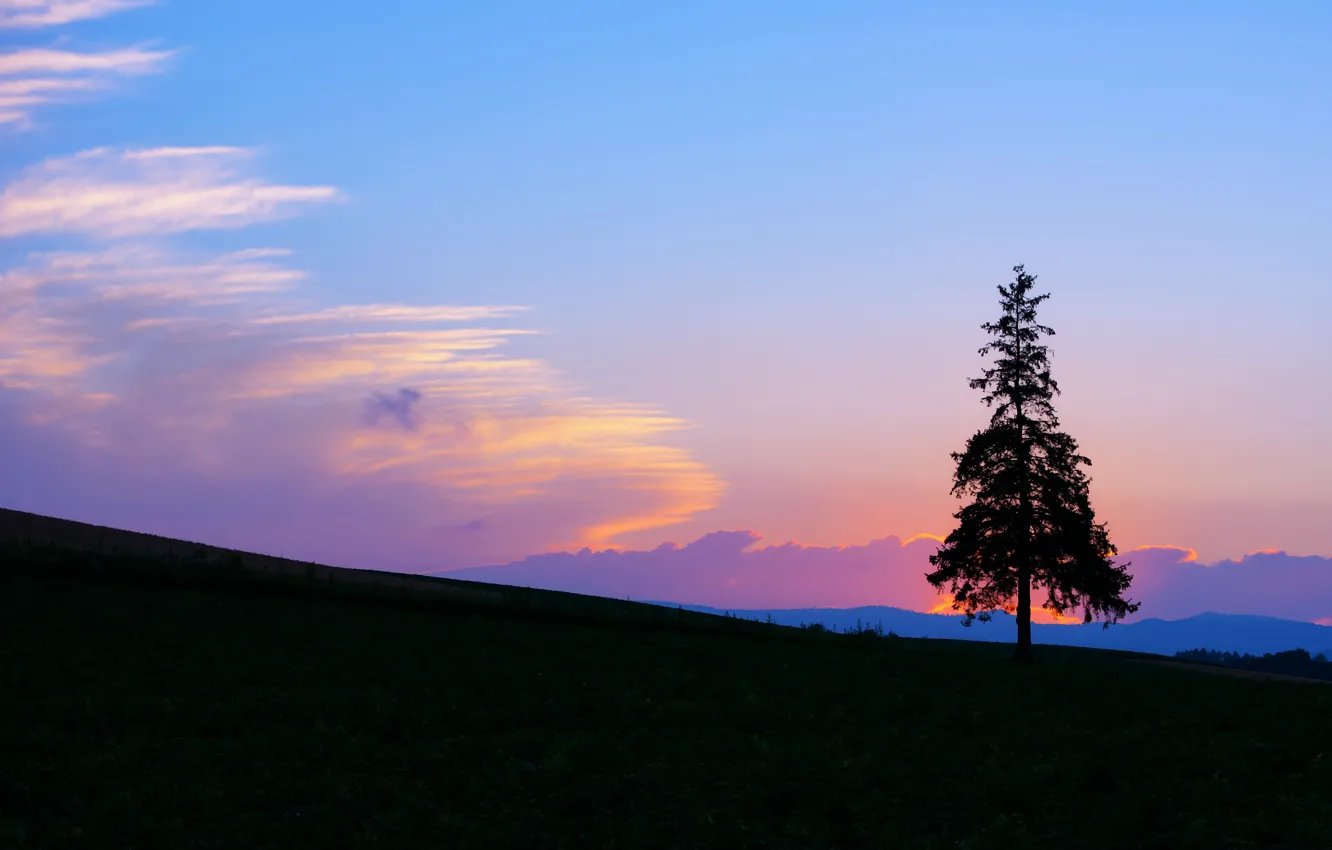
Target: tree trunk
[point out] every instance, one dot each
(1023, 651)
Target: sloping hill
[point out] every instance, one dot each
(19, 528)
(40, 544)
(154, 701)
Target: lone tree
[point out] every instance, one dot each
(1030, 520)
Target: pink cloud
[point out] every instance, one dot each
(132, 60)
(112, 193)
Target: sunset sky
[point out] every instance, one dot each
(423, 286)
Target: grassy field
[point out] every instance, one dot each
(144, 710)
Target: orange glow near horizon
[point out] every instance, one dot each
(922, 536)
(1191, 554)
(1040, 615)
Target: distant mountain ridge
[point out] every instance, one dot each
(729, 569)
(1223, 632)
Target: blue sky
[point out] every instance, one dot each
(781, 224)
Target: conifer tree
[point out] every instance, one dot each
(1030, 520)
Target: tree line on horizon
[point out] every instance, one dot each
(1291, 662)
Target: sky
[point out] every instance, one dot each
(426, 286)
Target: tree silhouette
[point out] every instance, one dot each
(1030, 520)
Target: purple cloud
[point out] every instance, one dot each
(1173, 584)
(398, 406)
(726, 570)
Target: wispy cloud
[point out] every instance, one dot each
(36, 77)
(138, 359)
(110, 193)
(151, 270)
(133, 60)
(393, 313)
(19, 14)
(61, 313)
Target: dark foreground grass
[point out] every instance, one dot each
(167, 716)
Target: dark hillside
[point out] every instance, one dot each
(40, 545)
(147, 707)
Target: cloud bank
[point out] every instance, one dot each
(726, 570)
(1173, 585)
